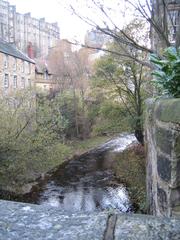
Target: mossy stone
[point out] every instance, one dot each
(164, 168)
(168, 110)
(162, 199)
(177, 148)
(164, 140)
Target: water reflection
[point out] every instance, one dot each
(85, 183)
(85, 198)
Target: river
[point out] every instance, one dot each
(87, 183)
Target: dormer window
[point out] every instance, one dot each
(6, 61)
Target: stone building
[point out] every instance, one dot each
(32, 36)
(95, 38)
(45, 80)
(17, 71)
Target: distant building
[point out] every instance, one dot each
(32, 36)
(95, 38)
(17, 71)
(45, 80)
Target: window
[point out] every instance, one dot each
(22, 82)
(6, 81)
(15, 64)
(5, 61)
(66, 55)
(45, 75)
(29, 68)
(22, 66)
(15, 82)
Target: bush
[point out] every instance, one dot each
(167, 73)
(112, 118)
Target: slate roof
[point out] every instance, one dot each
(10, 49)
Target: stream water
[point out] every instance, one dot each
(88, 183)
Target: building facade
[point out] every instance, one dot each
(17, 71)
(45, 80)
(32, 36)
(95, 38)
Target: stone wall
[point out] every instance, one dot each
(32, 222)
(162, 129)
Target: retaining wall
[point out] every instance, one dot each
(162, 127)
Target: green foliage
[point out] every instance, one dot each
(69, 106)
(167, 73)
(49, 117)
(122, 80)
(31, 135)
(130, 167)
(111, 118)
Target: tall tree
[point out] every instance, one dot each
(72, 70)
(126, 78)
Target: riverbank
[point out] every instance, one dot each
(129, 167)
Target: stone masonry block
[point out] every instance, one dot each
(175, 173)
(168, 110)
(175, 197)
(164, 168)
(177, 147)
(164, 140)
(162, 200)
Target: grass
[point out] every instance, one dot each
(79, 147)
(130, 169)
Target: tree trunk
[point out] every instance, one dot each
(139, 132)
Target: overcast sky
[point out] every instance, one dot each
(71, 27)
(54, 11)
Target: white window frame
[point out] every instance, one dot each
(6, 61)
(22, 66)
(15, 64)
(29, 68)
(6, 81)
(14, 82)
(22, 82)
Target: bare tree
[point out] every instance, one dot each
(72, 71)
(162, 17)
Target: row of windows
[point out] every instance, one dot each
(24, 65)
(15, 82)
